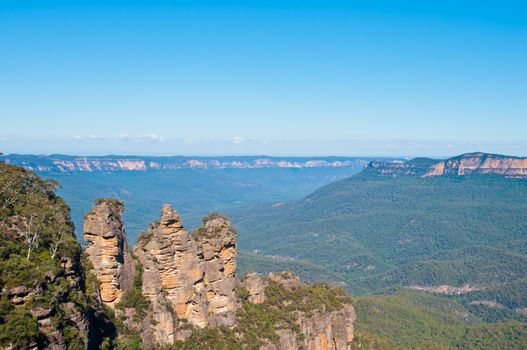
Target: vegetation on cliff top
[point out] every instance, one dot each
(409, 319)
(257, 324)
(37, 248)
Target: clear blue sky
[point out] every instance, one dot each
(263, 77)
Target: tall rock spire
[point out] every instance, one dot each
(188, 278)
(218, 240)
(108, 254)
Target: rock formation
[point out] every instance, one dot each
(217, 239)
(465, 164)
(321, 329)
(108, 252)
(188, 281)
(255, 286)
(480, 163)
(188, 278)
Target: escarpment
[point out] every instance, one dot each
(466, 164)
(480, 163)
(108, 252)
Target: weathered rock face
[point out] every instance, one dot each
(465, 164)
(218, 241)
(327, 331)
(172, 278)
(187, 278)
(480, 163)
(255, 285)
(322, 330)
(108, 253)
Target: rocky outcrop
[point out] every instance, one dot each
(189, 282)
(172, 278)
(108, 252)
(255, 285)
(321, 329)
(465, 164)
(188, 278)
(217, 238)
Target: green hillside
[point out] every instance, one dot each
(375, 234)
(409, 319)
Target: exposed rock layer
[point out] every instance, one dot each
(66, 164)
(465, 164)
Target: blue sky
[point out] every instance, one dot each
(281, 77)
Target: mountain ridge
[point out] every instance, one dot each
(59, 163)
(461, 165)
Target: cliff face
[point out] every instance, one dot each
(480, 163)
(217, 238)
(465, 164)
(66, 164)
(172, 279)
(108, 252)
(321, 328)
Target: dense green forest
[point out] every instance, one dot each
(380, 235)
(374, 232)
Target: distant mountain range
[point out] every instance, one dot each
(465, 164)
(65, 163)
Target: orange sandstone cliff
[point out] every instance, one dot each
(462, 165)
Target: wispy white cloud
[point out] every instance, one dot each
(153, 138)
(235, 139)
